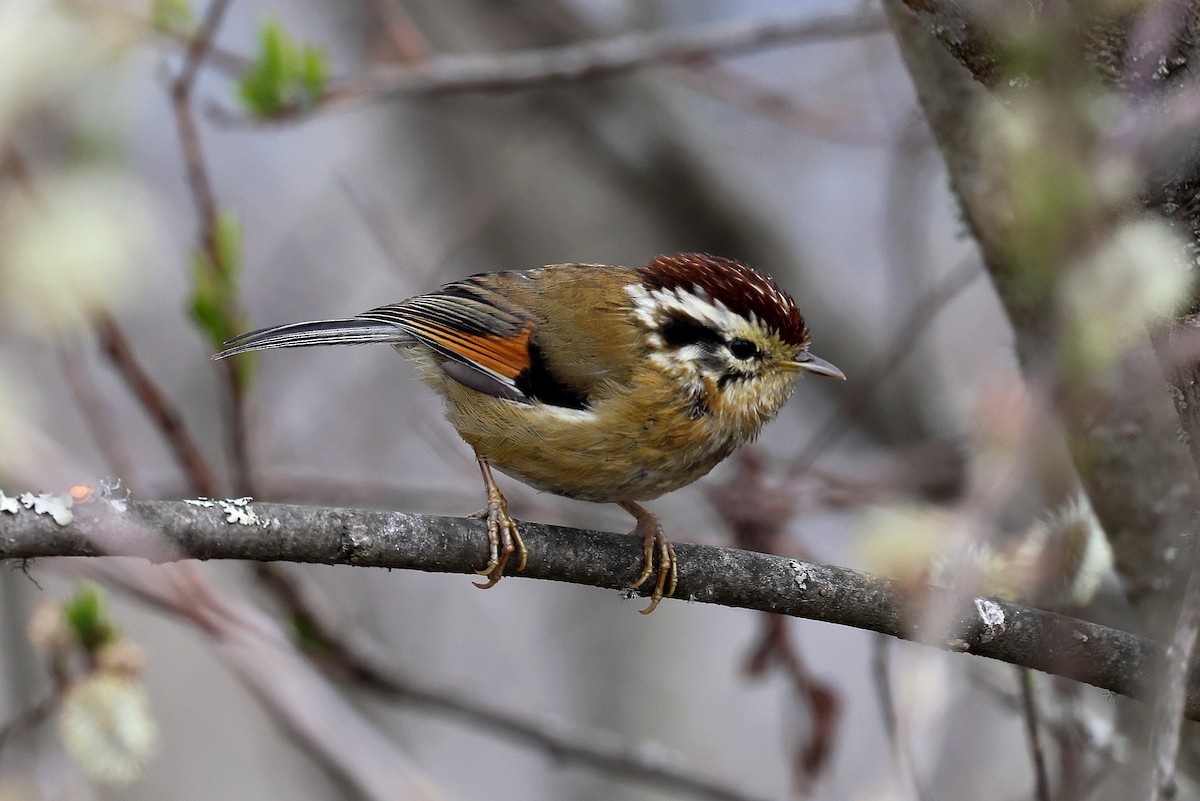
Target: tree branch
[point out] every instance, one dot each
(599, 58)
(171, 530)
(1143, 487)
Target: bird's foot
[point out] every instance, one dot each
(503, 538)
(653, 541)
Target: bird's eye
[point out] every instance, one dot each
(743, 349)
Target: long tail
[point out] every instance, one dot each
(353, 331)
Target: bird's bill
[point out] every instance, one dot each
(808, 363)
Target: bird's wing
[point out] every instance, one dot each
(481, 327)
(484, 330)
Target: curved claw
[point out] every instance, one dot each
(491, 582)
(653, 539)
(504, 541)
(668, 574)
(648, 542)
(503, 537)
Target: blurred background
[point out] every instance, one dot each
(153, 200)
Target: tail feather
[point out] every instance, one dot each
(353, 331)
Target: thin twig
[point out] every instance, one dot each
(751, 504)
(815, 120)
(189, 133)
(901, 753)
(881, 674)
(604, 57)
(158, 407)
(1033, 732)
(206, 210)
(407, 42)
(613, 754)
(923, 313)
(1074, 737)
(239, 436)
(28, 719)
(776, 647)
(599, 58)
(97, 413)
(230, 63)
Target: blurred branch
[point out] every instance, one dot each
(350, 657)
(1174, 693)
(189, 134)
(1033, 732)
(228, 62)
(923, 313)
(817, 120)
(1122, 434)
(1133, 46)
(97, 414)
(28, 719)
(612, 754)
(902, 756)
(956, 26)
(757, 507)
(199, 48)
(332, 732)
(1124, 441)
(157, 406)
(401, 32)
(599, 58)
(171, 530)
(777, 648)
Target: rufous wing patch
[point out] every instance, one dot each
(506, 357)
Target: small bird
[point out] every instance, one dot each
(600, 383)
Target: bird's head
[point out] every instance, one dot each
(734, 339)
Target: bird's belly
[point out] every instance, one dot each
(606, 456)
(605, 477)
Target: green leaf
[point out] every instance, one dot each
(284, 77)
(227, 242)
(213, 304)
(315, 73)
(87, 614)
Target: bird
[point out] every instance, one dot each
(595, 382)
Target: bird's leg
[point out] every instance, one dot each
(653, 539)
(503, 538)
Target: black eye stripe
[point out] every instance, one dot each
(681, 330)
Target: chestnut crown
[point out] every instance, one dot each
(740, 289)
